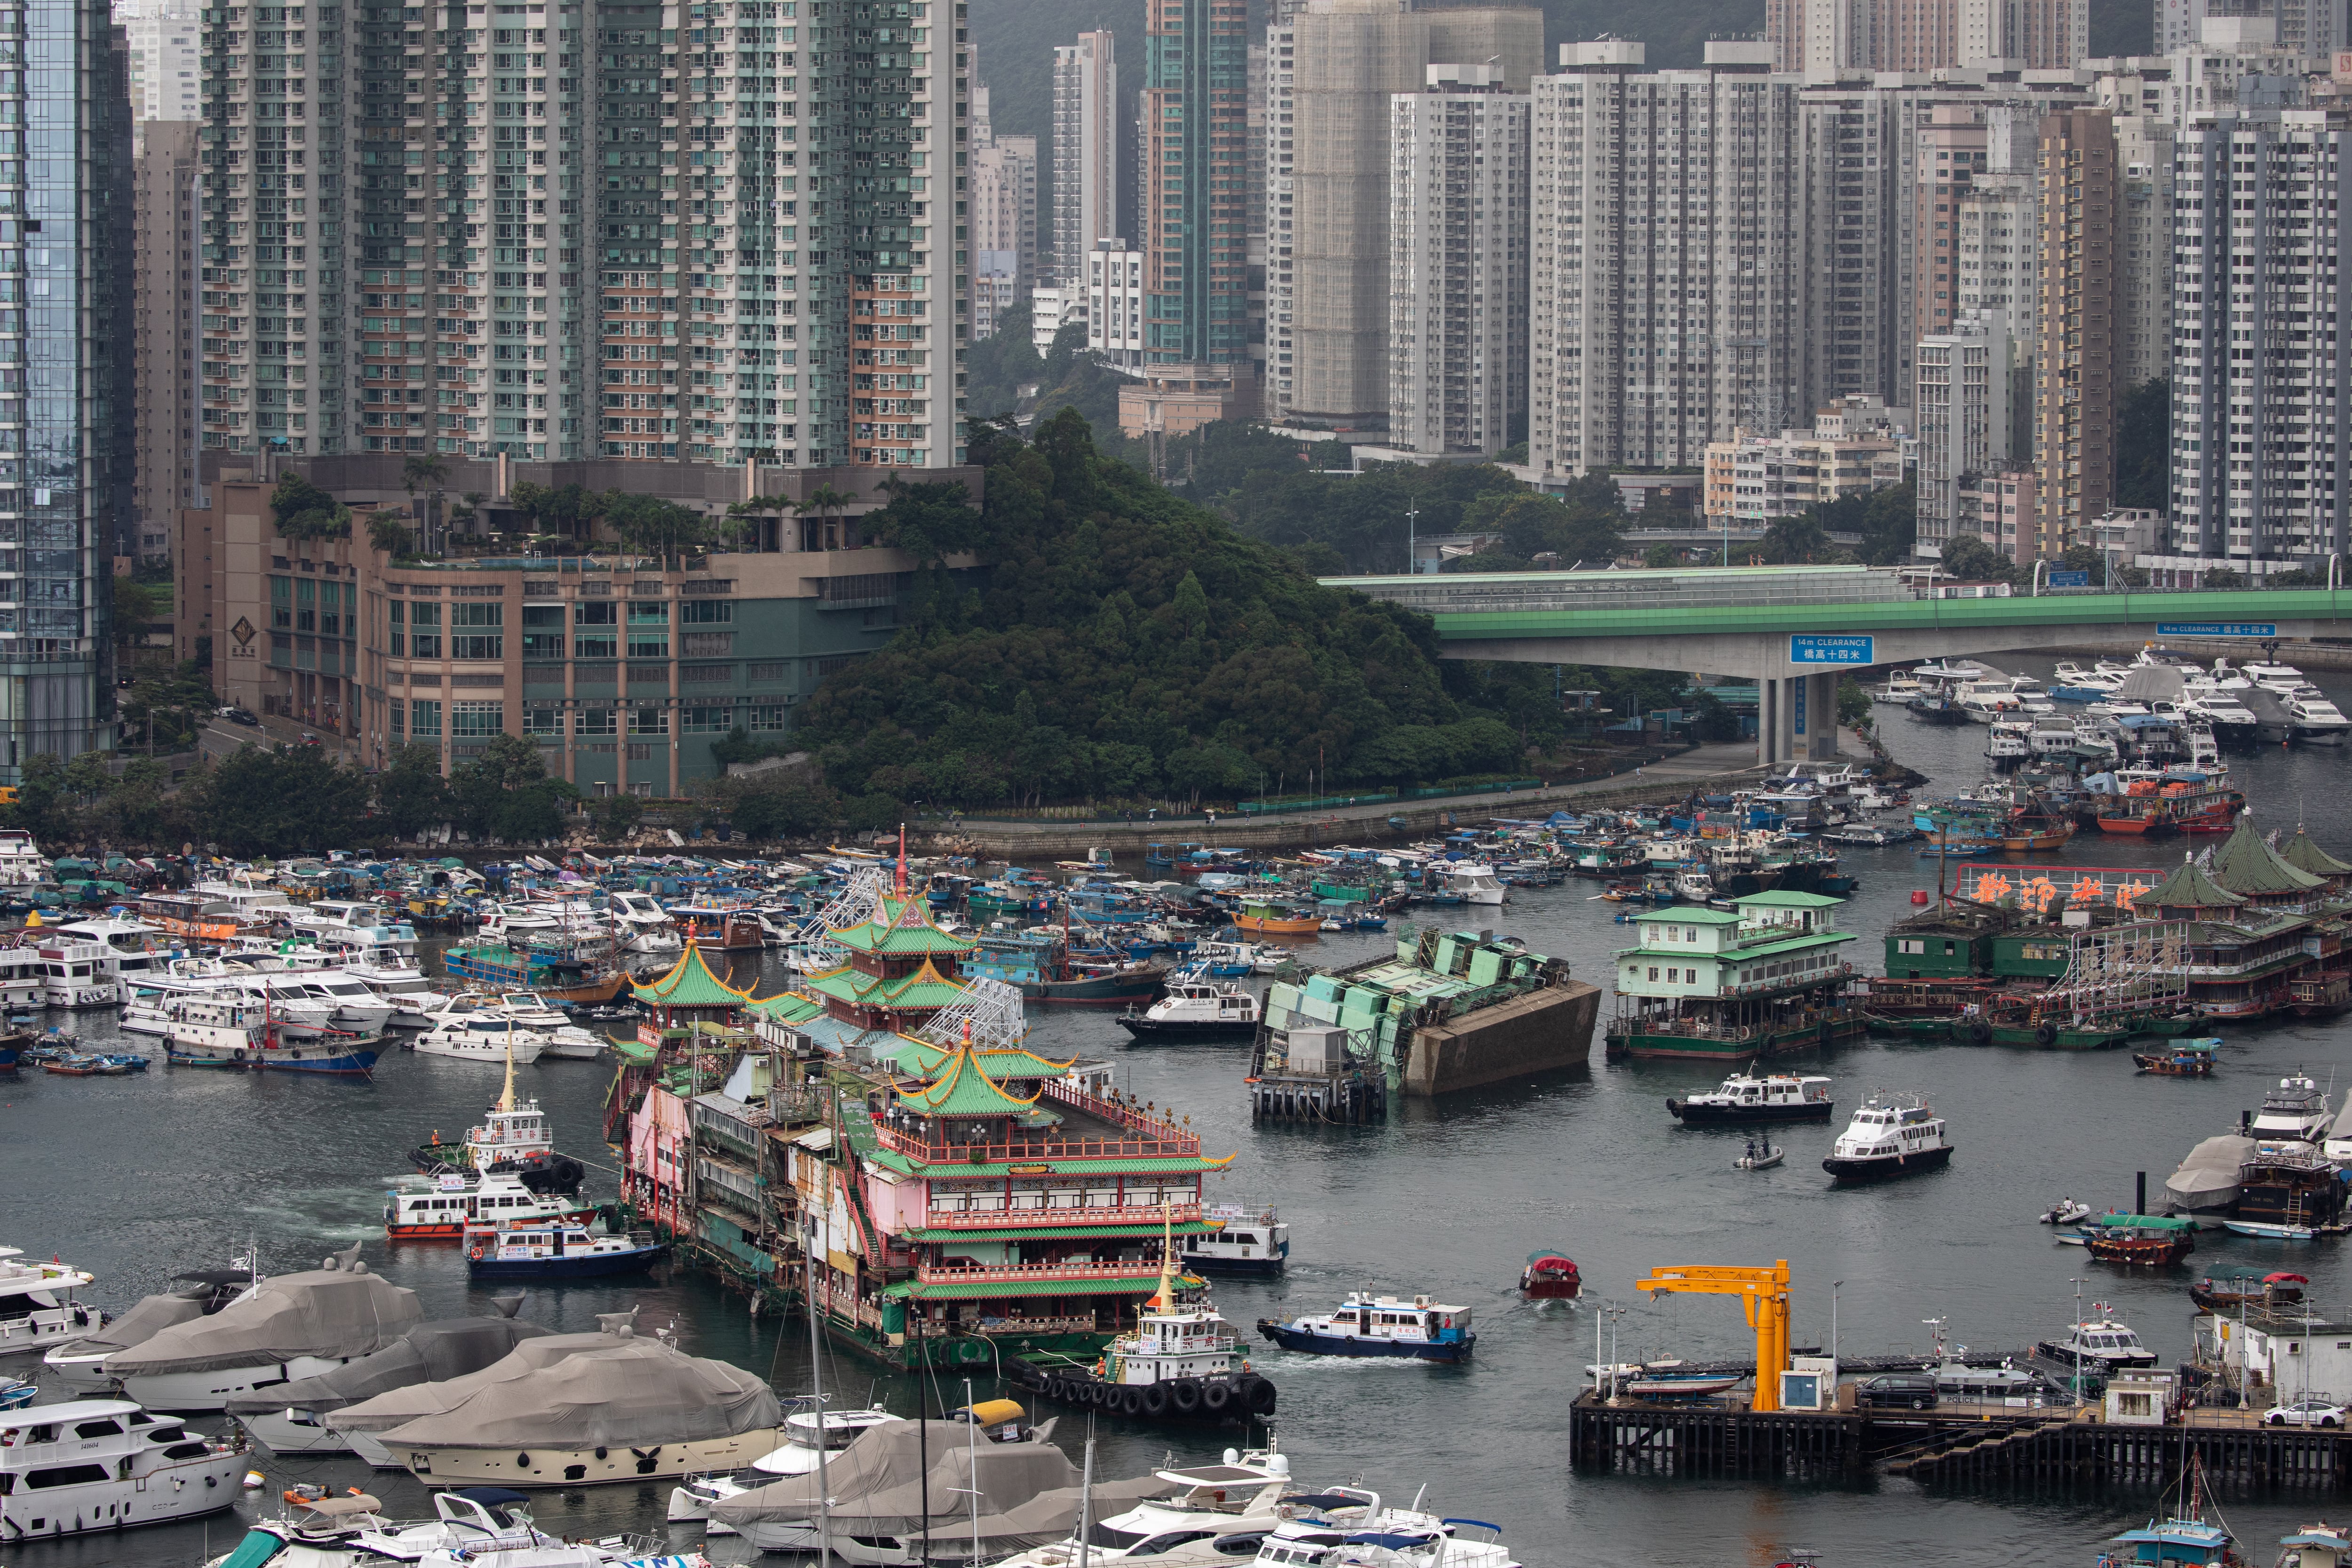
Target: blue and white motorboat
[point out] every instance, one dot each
(2172, 1543)
(556, 1251)
(1369, 1325)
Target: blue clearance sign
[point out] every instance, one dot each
(1805, 650)
(2216, 629)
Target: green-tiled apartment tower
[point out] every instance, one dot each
(1194, 186)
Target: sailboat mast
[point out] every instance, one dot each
(817, 1382)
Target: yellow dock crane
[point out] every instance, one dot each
(1763, 1291)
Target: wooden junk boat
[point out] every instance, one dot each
(2233, 1286)
(2157, 1240)
(2183, 1059)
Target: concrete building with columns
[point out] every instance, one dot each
(623, 670)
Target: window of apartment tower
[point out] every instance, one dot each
(596, 630)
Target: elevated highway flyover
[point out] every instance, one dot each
(1794, 631)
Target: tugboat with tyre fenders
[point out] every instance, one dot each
(1180, 1362)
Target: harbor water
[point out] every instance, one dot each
(140, 1178)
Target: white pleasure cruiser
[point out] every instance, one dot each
(106, 1464)
(1890, 1136)
(482, 1037)
(37, 1309)
(1478, 884)
(2297, 1111)
(644, 926)
(22, 863)
(1217, 1511)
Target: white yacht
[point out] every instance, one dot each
(1890, 1136)
(1477, 883)
(1346, 1527)
(2105, 1344)
(2011, 740)
(24, 977)
(644, 926)
(1214, 1513)
(2315, 720)
(78, 973)
(37, 1309)
(1984, 701)
(559, 1035)
(692, 1500)
(106, 1464)
(1198, 1009)
(2295, 1110)
(483, 1038)
(22, 863)
(1249, 1239)
(1898, 688)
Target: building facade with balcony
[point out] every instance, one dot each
(624, 671)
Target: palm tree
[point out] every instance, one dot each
(824, 501)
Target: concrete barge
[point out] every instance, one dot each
(1452, 1010)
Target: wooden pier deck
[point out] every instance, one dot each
(1955, 1444)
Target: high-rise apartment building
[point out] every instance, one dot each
(1005, 203)
(2074, 368)
(1084, 151)
(66, 436)
(2262, 468)
(1967, 423)
(580, 235)
(166, 64)
(1829, 39)
(1668, 277)
(2036, 35)
(1331, 72)
(1114, 310)
(2312, 29)
(1952, 152)
(1996, 235)
(2144, 145)
(1458, 263)
(1193, 147)
(162, 337)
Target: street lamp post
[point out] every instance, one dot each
(1411, 523)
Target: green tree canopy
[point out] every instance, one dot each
(282, 800)
(302, 510)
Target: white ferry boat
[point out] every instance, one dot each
(1195, 1010)
(439, 1209)
(1369, 1325)
(1890, 1136)
(1249, 1240)
(1745, 1098)
(37, 1309)
(105, 1464)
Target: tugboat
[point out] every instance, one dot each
(1179, 1362)
(1195, 1010)
(1777, 1096)
(1551, 1275)
(1369, 1325)
(1890, 1136)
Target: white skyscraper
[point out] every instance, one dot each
(1967, 420)
(1668, 291)
(166, 59)
(1085, 151)
(1457, 262)
(2262, 332)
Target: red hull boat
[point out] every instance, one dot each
(1549, 1276)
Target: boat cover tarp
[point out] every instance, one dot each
(2209, 1175)
(333, 1312)
(878, 1487)
(2150, 683)
(398, 1406)
(142, 1323)
(624, 1393)
(1048, 1517)
(433, 1353)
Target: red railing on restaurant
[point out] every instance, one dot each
(987, 1220)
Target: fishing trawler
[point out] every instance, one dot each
(241, 1035)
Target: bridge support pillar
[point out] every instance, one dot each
(1820, 717)
(1768, 721)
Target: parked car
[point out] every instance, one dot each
(2311, 1410)
(1898, 1391)
(236, 715)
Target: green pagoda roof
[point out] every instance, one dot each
(926, 1059)
(927, 987)
(2306, 856)
(690, 983)
(2244, 863)
(2188, 888)
(900, 923)
(789, 1006)
(965, 1088)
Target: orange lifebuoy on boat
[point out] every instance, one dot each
(475, 1253)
